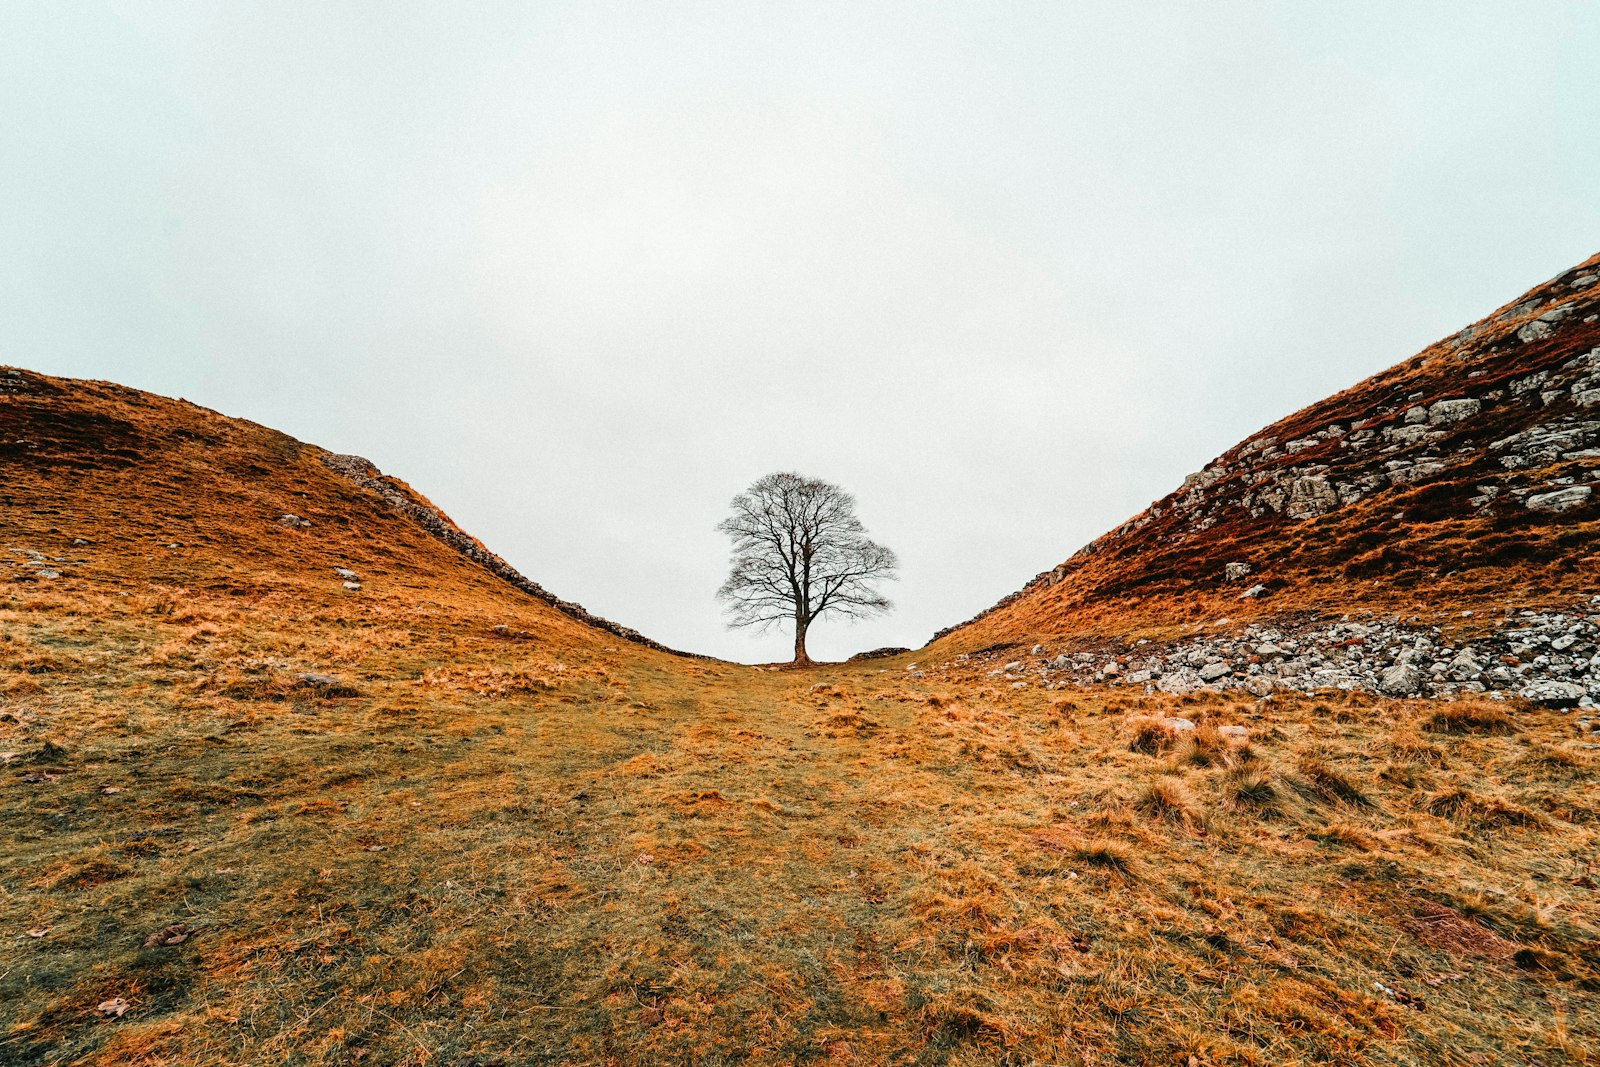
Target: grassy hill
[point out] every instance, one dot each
(255, 810)
(1461, 479)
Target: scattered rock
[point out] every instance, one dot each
(879, 653)
(363, 473)
(1310, 496)
(1555, 694)
(1444, 412)
(1253, 592)
(1561, 499)
(176, 934)
(1400, 680)
(116, 1007)
(346, 573)
(1212, 671)
(326, 685)
(1235, 571)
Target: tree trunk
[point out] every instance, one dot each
(801, 624)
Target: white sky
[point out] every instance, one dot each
(581, 272)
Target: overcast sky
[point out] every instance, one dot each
(581, 272)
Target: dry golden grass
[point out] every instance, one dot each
(483, 859)
(543, 845)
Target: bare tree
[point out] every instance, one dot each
(800, 551)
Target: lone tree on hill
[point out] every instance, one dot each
(800, 551)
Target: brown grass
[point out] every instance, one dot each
(564, 849)
(1169, 800)
(1469, 717)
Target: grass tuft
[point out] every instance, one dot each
(1151, 737)
(1327, 784)
(1252, 788)
(1107, 856)
(1168, 800)
(1469, 717)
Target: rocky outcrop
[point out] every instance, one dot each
(366, 475)
(1551, 658)
(879, 653)
(1496, 428)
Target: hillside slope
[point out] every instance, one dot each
(108, 485)
(1462, 479)
(252, 814)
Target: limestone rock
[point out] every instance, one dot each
(1561, 499)
(1310, 496)
(1555, 694)
(1533, 331)
(1401, 680)
(1444, 412)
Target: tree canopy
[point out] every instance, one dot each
(799, 551)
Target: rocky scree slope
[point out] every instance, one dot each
(110, 484)
(1549, 658)
(1463, 479)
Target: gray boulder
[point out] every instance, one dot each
(1444, 412)
(1310, 496)
(1555, 694)
(1465, 667)
(1560, 500)
(1401, 680)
